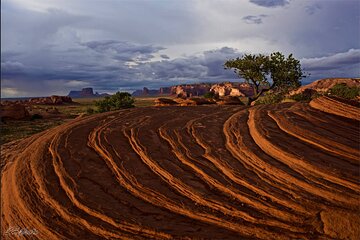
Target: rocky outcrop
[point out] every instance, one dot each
(195, 90)
(52, 100)
(86, 93)
(165, 102)
(323, 85)
(232, 89)
(195, 101)
(190, 90)
(13, 111)
(230, 100)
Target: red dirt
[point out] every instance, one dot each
(287, 171)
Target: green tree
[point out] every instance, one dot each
(117, 101)
(265, 73)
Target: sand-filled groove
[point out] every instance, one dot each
(287, 171)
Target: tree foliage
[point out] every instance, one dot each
(274, 72)
(117, 101)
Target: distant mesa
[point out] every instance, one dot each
(146, 92)
(86, 93)
(236, 89)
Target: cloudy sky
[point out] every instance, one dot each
(53, 46)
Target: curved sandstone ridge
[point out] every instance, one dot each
(285, 171)
(332, 106)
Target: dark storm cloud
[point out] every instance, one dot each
(254, 19)
(207, 66)
(335, 61)
(270, 3)
(110, 72)
(124, 50)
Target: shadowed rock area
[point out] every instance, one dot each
(286, 171)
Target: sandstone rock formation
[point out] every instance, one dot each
(165, 102)
(230, 100)
(13, 111)
(323, 85)
(194, 90)
(282, 171)
(52, 100)
(195, 101)
(231, 89)
(190, 90)
(331, 105)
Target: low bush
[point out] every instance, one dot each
(211, 95)
(270, 98)
(90, 111)
(119, 100)
(36, 116)
(305, 96)
(343, 91)
(300, 97)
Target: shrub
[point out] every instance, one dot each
(343, 91)
(300, 97)
(211, 95)
(305, 96)
(90, 111)
(117, 101)
(270, 98)
(36, 116)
